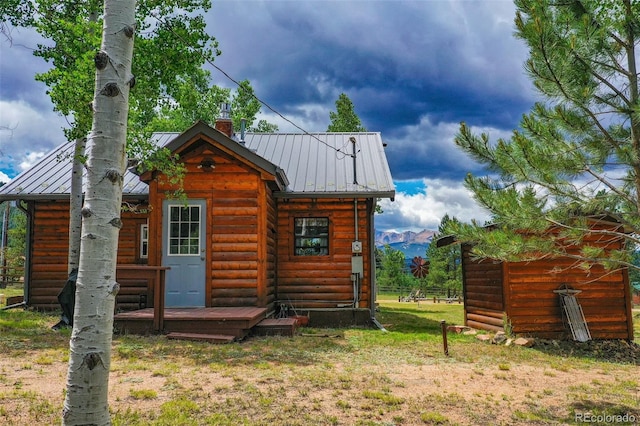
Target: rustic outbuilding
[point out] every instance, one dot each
(278, 222)
(526, 297)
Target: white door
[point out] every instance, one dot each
(184, 241)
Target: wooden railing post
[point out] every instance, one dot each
(154, 277)
(158, 301)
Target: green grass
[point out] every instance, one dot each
(143, 394)
(325, 377)
(10, 291)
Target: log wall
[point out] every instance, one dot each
(483, 292)
(534, 308)
(322, 281)
(49, 251)
(523, 292)
(240, 210)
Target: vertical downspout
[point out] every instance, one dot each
(27, 260)
(355, 277)
(371, 208)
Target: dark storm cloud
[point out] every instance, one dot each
(28, 126)
(18, 67)
(413, 69)
(397, 61)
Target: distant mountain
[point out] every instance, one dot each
(410, 243)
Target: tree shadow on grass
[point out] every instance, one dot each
(407, 321)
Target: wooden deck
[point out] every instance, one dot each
(215, 325)
(231, 321)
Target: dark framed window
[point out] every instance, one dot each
(311, 236)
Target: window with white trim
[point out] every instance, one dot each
(144, 241)
(184, 230)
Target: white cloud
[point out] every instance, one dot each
(27, 134)
(424, 210)
(30, 159)
(4, 178)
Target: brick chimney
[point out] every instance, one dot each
(224, 123)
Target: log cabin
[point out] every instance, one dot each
(523, 297)
(272, 221)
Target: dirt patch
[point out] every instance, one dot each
(491, 389)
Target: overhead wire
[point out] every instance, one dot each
(230, 78)
(237, 83)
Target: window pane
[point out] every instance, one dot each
(144, 241)
(174, 213)
(184, 214)
(311, 236)
(174, 230)
(173, 246)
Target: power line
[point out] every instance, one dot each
(230, 78)
(269, 107)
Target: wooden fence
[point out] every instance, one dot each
(429, 292)
(10, 275)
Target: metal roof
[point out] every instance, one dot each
(315, 164)
(50, 178)
(322, 163)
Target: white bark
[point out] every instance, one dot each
(75, 205)
(86, 401)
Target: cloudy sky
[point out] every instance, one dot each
(413, 69)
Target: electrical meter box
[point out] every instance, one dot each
(356, 247)
(357, 266)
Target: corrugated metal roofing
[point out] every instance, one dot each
(50, 178)
(322, 163)
(319, 164)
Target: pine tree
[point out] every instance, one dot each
(392, 271)
(445, 267)
(576, 156)
(345, 118)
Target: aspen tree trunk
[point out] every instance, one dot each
(75, 206)
(86, 401)
(75, 196)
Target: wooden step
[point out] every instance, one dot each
(276, 327)
(211, 338)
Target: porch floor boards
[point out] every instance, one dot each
(230, 321)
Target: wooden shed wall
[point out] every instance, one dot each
(524, 293)
(534, 308)
(483, 292)
(49, 252)
(240, 210)
(322, 281)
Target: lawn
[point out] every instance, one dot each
(323, 376)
